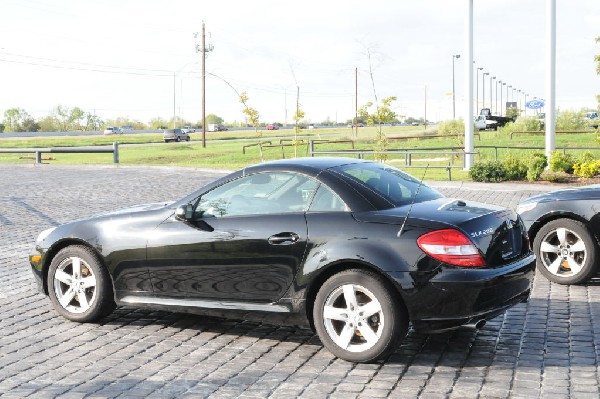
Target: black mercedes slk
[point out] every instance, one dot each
(357, 250)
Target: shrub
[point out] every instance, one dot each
(570, 120)
(514, 168)
(587, 169)
(587, 156)
(487, 171)
(522, 124)
(453, 126)
(555, 177)
(560, 162)
(536, 166)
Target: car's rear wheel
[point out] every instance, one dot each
(178, 139)
(79, 285)
(357, 318)
(566, 251)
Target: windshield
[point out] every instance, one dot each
(396, 186)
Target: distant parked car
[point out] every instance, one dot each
(175, 135)
(272, 126)
(113, 130)
(592, 119)
(188, 129)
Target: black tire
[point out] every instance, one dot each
(178, 139)
(187, 138)
(166, 141)
(77, 275)
(388, 325)
(566, 251)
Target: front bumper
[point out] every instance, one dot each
(455, 297)
(37, 270)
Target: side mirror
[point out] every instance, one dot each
(184, 212)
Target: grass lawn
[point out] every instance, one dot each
(224, 149)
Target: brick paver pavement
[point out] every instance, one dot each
(545, 348)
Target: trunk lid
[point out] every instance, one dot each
(497, 232)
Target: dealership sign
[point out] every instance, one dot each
(534, 104)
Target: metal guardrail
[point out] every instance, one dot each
(563, 149)
(408, 155)
(431, 136)
(557, 132)
(114, 149)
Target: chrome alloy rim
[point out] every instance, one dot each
(75, 285)
(353, 318)
(563, 252)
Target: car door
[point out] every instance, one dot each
(244, 242)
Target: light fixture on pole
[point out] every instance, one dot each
(483, 89)
(456, 56)
(519, 100)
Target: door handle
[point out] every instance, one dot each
(283, 239)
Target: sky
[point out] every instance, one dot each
(138, 59)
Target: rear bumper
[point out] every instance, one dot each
(455, 297)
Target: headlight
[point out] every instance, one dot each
(45, 234)
(526, 207)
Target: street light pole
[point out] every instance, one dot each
(501, 104)
(483, 89)
(491, 78)
(477, 88)
(498, 81)
(457, 56)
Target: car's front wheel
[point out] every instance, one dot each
(566, 251)
(357, 318)
(79, 286)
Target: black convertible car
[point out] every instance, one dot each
(564, 226)
(356, 250)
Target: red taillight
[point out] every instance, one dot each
(452, 247)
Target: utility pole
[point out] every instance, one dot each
(204, 50)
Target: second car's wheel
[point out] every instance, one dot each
(178, 139)
(357, 318)
(566, 251)
(79, 286)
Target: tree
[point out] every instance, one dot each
(18, 120)
(157, 123)
(212, 118)
(252, 114)
(12, 119)
(49, 124)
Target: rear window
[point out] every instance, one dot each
(396, 186)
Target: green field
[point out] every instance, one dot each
(224, 149)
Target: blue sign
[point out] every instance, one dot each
(534, 104)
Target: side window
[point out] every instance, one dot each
(262, 193)
(327, 201)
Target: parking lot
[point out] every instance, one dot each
(548, 347)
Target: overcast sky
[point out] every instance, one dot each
(118, 57)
